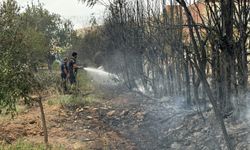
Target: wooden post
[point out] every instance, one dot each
(43, 119)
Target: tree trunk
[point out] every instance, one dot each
(45, 131)
(188, 95)
(217, 111)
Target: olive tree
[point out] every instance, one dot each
(57, 33)
(27, 39)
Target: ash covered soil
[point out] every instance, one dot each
(169, 124)
(127, 121)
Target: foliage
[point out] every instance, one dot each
(48, 81)
(15, 76)
(90, 46)
(27, 39)
(57, 31)
(36, 46)
(83, 94)
(56, 65)
(72, 100)
(53, 33)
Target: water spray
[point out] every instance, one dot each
(102, 77)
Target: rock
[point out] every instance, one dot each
(124, 113)
(32, 122)
(86, 107)
(79, 110)
(111, 113)
(77, 145)
(191, 147)
(104, 108)
(140, 115)
(175, 145)
(41, 134)
(94, 109)
(89, 117)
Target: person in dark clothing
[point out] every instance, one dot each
(73, 68)
(64, 74)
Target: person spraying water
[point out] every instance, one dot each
(73, 69)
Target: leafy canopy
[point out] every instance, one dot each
(25, 40)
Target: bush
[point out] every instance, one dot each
(50, 81)
(56, 65)
(81, 93)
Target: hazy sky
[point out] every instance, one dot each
(77, 12)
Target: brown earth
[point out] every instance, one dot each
(72, 127)
(126, 122)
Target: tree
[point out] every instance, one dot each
(18, 81)
(90, 46)
(36, 47)
(220, 38)
(14, 68)
(165, 50)
(57, 33)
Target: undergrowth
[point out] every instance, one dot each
(80, 94)
(22, 144)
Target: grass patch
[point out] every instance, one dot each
(80, 93)
(22, 144)
(84, 83)
(4, 118)
(60, 99)
(21, 108)
(5, 115)
(72, 100)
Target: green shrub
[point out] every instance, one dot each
(50, 81)
(80, 94)
(56, 65)
(72, 100)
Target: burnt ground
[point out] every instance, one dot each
(169, 124)
(126, 121)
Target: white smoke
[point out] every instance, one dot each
(248, 117)
(247, 101)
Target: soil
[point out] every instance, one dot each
(127, 121)
(72, 127)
